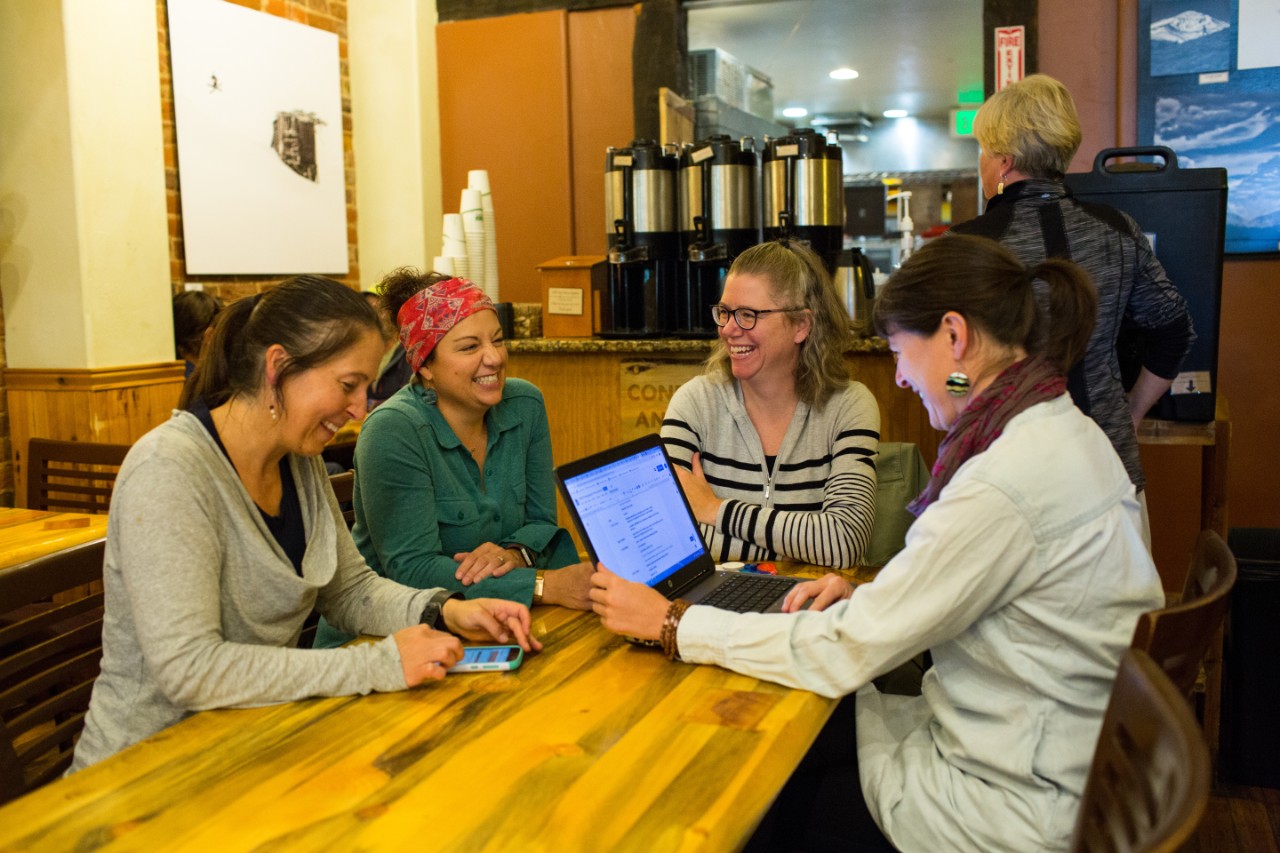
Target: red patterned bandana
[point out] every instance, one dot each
(429, 314)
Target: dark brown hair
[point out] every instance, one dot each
(982, 281)
(312, 317)
(193, 312)
(399, 286)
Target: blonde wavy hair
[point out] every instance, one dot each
(1035, 122)
(798, 278)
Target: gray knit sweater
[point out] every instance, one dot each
(818, 503)
(1038, 219)
(203, 608)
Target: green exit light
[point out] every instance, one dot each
(962, 122)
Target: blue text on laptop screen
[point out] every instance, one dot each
(634, 515)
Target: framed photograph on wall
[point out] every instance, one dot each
(258, 108)
(1209, 88)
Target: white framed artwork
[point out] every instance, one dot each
(258, 107)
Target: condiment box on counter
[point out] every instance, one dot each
(573, 289)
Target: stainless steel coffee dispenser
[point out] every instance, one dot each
(644, 245)
(719, 219)
(803, 185)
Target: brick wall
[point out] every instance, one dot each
(328, 15)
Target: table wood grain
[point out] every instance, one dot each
(594, 744)
(28, 533)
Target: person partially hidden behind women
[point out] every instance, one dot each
(1024, 574)
(1028, 133)
(224, 534)
(454, 480)
(193, 314)
(774, 445)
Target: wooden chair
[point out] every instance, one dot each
(1148, 785)
(344, 489)
(1178, 636)
(50, 649)
(58, 479)
(344, 486)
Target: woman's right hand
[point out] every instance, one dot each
(627, 607)
(824, 592)
(568, 587)
(426, 653)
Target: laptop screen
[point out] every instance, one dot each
(633, 515)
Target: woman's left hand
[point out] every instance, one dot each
(823, 592)
(703, 501)
(489, 560)
(626, 607)
(490, 619)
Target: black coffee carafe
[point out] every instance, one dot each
(719, 219)
(803, 186)
(644, 246)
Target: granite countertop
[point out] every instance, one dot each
(647, 345)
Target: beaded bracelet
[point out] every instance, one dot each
(669, 625)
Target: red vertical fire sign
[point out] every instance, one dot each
(1010, 55)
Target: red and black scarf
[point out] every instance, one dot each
(1019, 386)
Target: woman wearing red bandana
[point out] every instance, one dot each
(1024, 575)
(454, 481)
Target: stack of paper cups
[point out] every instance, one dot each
(443, 265)
(478, 179)
(473, 226)
(455, 247)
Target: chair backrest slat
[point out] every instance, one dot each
(1178, 636)
(75, 476)
(50, 653)
(1148, 785)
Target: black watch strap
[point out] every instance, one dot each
(525, 553)
(433, 613)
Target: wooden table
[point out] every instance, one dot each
(594, 744)
(29, 533)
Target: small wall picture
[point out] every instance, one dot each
(1190, 36)
(258, 107)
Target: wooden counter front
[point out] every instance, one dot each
(601, 392)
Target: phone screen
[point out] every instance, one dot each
(488, 658)
(490, 654)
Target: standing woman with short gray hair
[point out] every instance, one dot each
(1029, 133)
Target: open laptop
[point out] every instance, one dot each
(628, 505)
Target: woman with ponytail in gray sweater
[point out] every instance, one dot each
(224, 535)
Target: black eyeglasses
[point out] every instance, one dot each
(744, 317)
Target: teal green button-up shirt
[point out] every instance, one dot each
(420, 498)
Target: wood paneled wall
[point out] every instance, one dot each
(600, 112)
(585, 406)
(535, 99)
(115, 405)
(504, 107)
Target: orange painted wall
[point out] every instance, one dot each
(504, 107)
(601, 111)
(1091, 46)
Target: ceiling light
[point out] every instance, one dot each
(895, 113)
(843, 74)
(795, 112)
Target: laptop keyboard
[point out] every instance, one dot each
(748, 593)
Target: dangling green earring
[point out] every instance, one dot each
(958, 384)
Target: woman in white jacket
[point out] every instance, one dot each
(1024, 574)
